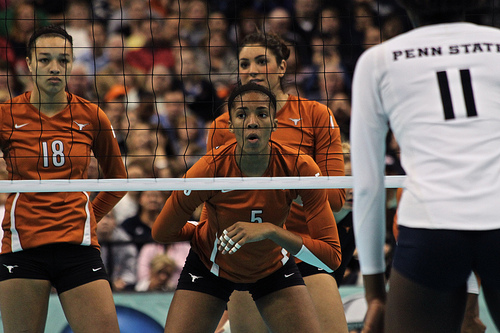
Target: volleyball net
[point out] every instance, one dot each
(162, 71)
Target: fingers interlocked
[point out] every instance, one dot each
(227, 245)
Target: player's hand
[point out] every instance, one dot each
(374, 319)
(240, 233)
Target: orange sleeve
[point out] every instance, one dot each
(107, 152)
(218, 133)
(171, 224)
(329, 155)
(324, 240)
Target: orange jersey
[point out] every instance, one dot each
(224, 208)
(37, 146)
(307, 126)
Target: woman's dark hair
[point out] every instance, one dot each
(271, 42)
(250, 87)
(47, 31)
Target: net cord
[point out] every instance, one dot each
(181, 184)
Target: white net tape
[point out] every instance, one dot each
(173, 184)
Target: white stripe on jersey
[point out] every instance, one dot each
(15, 241)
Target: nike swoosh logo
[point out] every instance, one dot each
(288, 275)
(225, 191)
(96, 269)
(16, 126)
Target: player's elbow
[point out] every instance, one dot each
(160, 235)
(337, 259)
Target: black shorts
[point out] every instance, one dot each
(65, 265)
(444, 259)
(196, 276)
(308, 269)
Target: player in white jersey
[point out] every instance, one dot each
(438, 88)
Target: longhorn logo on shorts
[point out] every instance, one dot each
(10, 268)
(194, 277)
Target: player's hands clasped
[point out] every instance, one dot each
(240, 233)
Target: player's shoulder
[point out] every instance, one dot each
(219, 153)
(303, 106)
(81, 102)
(17, 100)
(85, 108)
(292, 155)
(221, 121)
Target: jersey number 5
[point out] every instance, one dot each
(57, 152)
(254, 218)
(444, 88)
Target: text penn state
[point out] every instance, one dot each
(433, 51)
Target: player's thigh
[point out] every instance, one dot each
(194, 312)
(327, 302)
(244, 317)
(412, 307)
(90, 307)
(24, 304)
(289, 310)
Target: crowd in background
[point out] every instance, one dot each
(162, 69)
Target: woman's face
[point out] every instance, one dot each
(258, 65)
(252, 122)
(51, 63)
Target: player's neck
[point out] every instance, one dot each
(281, 99)
(252, 165)
(49, 104)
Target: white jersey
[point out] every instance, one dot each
(438, 87)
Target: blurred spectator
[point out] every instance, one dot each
(340, 104)
(194, 22)
(217, 22)
(118, 253)
(163, 8)
(21, 19)
(247, 22)
(139, 226)
(127, 18)
(119, 72)
(77, 23)
(175, 105)
(279, 21)
(159, 81)
(393, 25)
(372, 37)
(191, 143)
(161, 267)
(80, 83)
(156, 50)
(9, 85)
(96, 57)
(222, 62)
(305, 18)
(331, 80)
(200, 93)
(145, 140)
(176, 252)
(128, 206)
(7, 55)
(115, 107)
